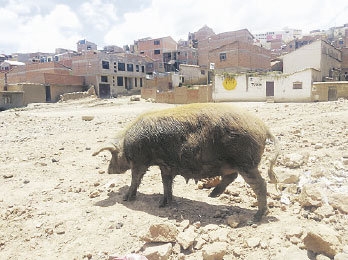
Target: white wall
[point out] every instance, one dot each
(253, 88)
(308, 56)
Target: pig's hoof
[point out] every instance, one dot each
(215, 193)
(165, 202)
(128, 197)
(259, 214)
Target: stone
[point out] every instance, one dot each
(219, 235)
(135, 99)
(165, 232)
(341, 256)
(295, 231)
(184, 224)
(288, 177)
(187, 237)
(253, 242)
(87, 118)
(161, 252)
(322, 257)
(339, 201)
(325, 211)
(200, 243)
(311, 195)
(292, 253)
(345, 249)
(7, 176)
(293, 160)
(318, 146)
(214, 251)
(322, 239)
(234, 220)
(94, 194)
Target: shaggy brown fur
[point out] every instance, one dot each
(196, 141)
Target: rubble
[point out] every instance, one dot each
(165, 232)
(214, 251)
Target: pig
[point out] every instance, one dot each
(195, 141)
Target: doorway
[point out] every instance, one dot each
(332, 93)
(104, 90)
(48, 93)
(269, 88)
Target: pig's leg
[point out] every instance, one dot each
(167, 180)
(225, 181)
(258, 184)
(137, 175)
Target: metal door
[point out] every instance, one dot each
(269, 88)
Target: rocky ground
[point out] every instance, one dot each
(58, 202)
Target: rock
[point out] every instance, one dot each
(7, 176)
(94, 194)
(322, 239)
(161, 252)
(322, 257)
(339, 201)
(214, 251)
(295, 231)
(101, 172)
(54, 160)
(288, 177)
(253, 242)
(184, 224)
(219, 235)
(135, 99)
(200, 243)
(311, 195)
(166, 232)
(325, 211)
(293, 160)
(26, 181)
(318, 146)
(292, 253)
(345, 249)
(341, 256)
(235, 220)
(187, 237)
(87, 118)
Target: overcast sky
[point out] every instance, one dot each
(43, 25)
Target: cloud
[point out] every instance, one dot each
(57, 28)
(164, 17)
(99, 14)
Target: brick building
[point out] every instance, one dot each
(240, 56)
(218, 40)
(183, 55)
(50, 78)
(84, 45)
(203, 33)
(154, 49)
(111, 74)
(344, 64)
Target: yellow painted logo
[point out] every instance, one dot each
(229, 83)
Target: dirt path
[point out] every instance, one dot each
(57, 202)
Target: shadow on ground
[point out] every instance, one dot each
(182, 208)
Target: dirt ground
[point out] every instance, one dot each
(58, 202)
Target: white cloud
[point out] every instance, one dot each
(58, 28)
(165, 17)
(99, 14)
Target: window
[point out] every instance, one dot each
(143, 69)
(203, 72)
(121, 66)
(141, 82)
(130, 67)
(135, 82)
(297, 85)
(105, 64)
(156, 42)
(157, 51)
(104, 78)
(141, 52)
(222, 56)
(340, 42)
(149, 65)
(137, 68)
(119, 81)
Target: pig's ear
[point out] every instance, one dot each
(111, 148)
